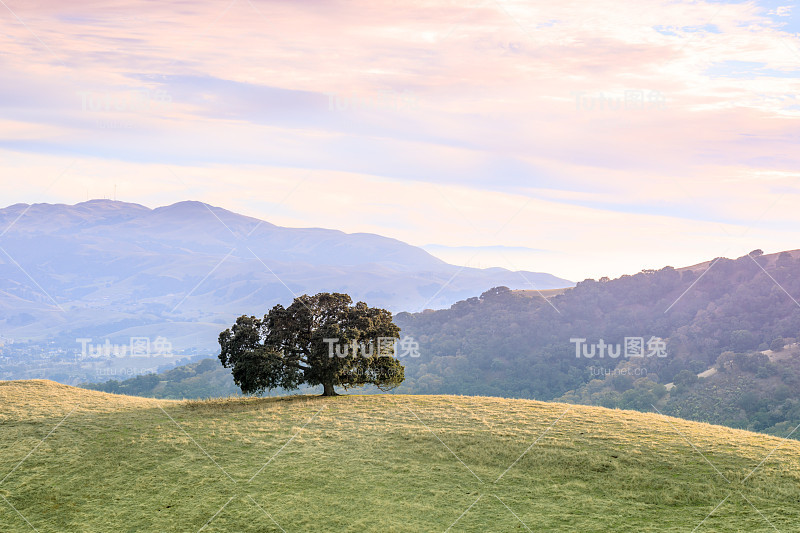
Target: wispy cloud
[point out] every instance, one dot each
(612, 113)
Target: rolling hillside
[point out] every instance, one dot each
(77, 460)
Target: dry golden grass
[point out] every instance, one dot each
(41, 398)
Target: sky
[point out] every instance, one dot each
(584, 139)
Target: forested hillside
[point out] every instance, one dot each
(517, 344)
(196, 380)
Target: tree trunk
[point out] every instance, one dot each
(328, 390)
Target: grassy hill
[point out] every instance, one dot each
(79, 460)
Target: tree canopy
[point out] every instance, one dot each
(318, 340)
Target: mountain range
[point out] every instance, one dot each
(112, 269)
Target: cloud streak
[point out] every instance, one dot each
(619, 118)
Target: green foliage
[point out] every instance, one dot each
(696, 366)
(777, 344)
(724, 361)
(685, 377)
(750, 362)
(622, 382)
(639, 399)
(515, 344)
(196, 380)
(743, 340)
(293, 346)
(748, 401)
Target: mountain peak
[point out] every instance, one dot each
(189, 209)
(103, 203)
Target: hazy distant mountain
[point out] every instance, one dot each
(106, 268)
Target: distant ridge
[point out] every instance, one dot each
(105, 268)
(770, 260)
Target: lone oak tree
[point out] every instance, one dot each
(295, 345)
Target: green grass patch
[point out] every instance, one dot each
(77, 460)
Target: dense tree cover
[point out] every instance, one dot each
(317, 340)
(742, 390)
(516, 344)
(202, 379)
